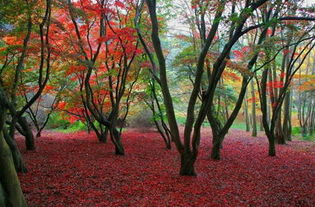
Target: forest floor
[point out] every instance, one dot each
(75, 170)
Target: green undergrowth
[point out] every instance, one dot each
(296, 133)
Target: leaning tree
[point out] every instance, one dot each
(236, 18)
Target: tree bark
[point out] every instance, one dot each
(187, 164)
(16, 154)
(254, 123)
(8, 177)
(11, 194)
(287, 128)
(246, 114)
(2, 196)
(279, 130)
(102, 137)
(116, 138)
(216, 149)
(27, 132)
(272, 146)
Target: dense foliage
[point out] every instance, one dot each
(175, 66)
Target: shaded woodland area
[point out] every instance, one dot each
(157, 103)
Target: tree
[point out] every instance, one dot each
(278, 89)
(254, 123)
(188, 149)
(104, 53)
(305, 98)
(10, 190)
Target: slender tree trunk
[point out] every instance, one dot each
(158, 117)
(267, 124)
(254, 123)
(272, 145)
(166, 138)
(268, 109)
(187, 164)
(246, 114)
(287, 117)
(312, 127)
(312, 118)
(261, 126)
(279, 130)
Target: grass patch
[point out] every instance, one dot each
(76, 126)
(296, 132)
(239, 125)
(181, 120)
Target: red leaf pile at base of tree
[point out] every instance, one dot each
(75, 170)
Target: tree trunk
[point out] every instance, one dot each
(279, 132)
(246, 114)
(119, 149)
(16, 154)
(272, 146)
(216, 149)
(13, 195)
(304, 131)
(254, 123)
(27, 132)
(287, 128)
(38, 134)
(2, 196)
(312, 119)
(116, 139)
(187, 164)
(261, 126)
(216, 126)
(103, 137)
(101, 134)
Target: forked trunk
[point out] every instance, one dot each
(216, 148)
(28, 134)
(116, 139)
(102, 136)
(187, 167)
